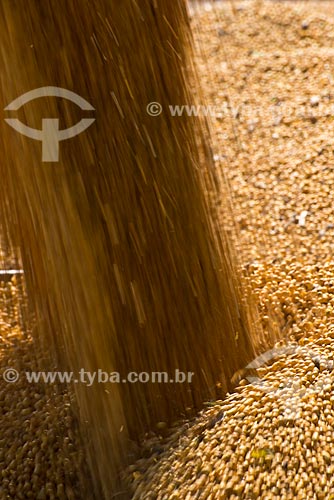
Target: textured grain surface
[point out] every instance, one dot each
(270, 76)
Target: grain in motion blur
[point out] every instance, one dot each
(125, 268)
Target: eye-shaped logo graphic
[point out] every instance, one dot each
(50, 135)
(291, 390)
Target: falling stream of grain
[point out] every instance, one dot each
(125, 268)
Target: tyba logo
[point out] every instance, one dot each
(50, 135)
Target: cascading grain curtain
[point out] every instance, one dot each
(123, 266)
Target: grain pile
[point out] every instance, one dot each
(41, 453)
(270, 74)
